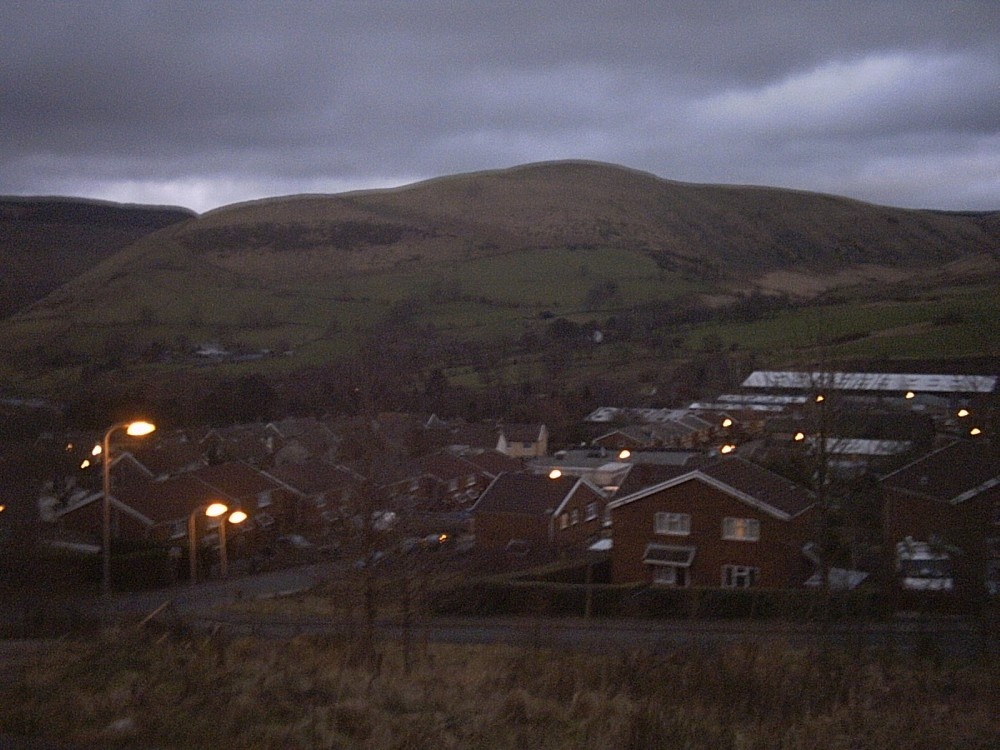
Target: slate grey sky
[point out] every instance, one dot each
(202, 103)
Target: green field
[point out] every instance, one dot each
(485, 300)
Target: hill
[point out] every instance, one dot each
(45, 242)
(476, 259)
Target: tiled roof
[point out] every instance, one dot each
(641, 476)
(177, 496)
(166, 459)
(529, 494)
(953, 473)
(493, 463)
(313, 477)
(744, 480)
(763, 485)
(524, 433)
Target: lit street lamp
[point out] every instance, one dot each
(135, 429)
(212, 510)
(237, 516)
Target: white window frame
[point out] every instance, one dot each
(740, 576)
(574, 516)
(672, 524)
(592, 511)
(740, 529)
(675, 576)
(264, 499)
(564, 520)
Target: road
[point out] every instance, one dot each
(202, 607)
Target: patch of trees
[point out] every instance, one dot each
(341, 235)
(754, 306)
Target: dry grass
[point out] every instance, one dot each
(129, 690)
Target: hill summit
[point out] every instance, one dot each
(478, 257)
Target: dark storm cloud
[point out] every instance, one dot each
(205, 103)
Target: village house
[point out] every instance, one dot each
(328, 495)
(443, 481)
(159, 510)
(643, 429)
(538, 513)
(728, 523)
(949, 499)
(523, 440)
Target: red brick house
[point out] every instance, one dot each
(142, 508)
(538, 512)
(442, 481)
(950, 498)
(729, 523)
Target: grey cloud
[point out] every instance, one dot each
(112, 97)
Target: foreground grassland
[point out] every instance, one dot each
(126, 689)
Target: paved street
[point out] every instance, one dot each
(199, 606)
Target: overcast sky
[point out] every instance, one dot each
(201, 103)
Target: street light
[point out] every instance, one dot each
(135, 429)
(212, 510)
(237, 516)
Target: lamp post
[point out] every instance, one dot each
(212, 510)
(135, 429)
(237, 516)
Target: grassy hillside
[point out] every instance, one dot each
(124, 688)
(45, 242)
(500, 256)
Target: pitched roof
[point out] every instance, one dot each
(523, 433)
(314, 477)
(953, 473)
(164, 459)
(493, 463)
(530, 494)
(175, 497)
(742, 479)
(641, 476)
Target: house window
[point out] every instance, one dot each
(414, 485)
(452, 485)
(564, 520)
(674, 524)
(739, 576)
(670, 575)
(574, 516)
(741, 529)
(263, 499)
(178, 529)
(470, 480)
(670, 563)
(592, 511)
